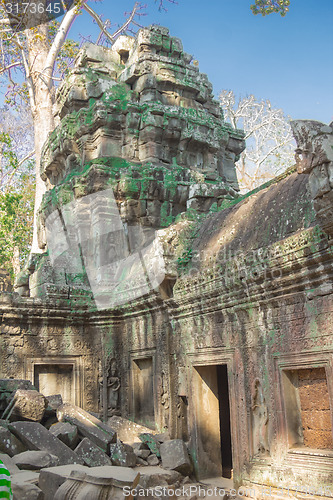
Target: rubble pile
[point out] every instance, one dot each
(53, 448)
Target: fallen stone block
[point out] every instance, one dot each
(152, 443)
(51, 478)
(36, 437)
(26, 491)
(66, 432)
(127, 431)
(26, 405)
(175, 456)
(9, 386)
(141, 461)
(161, 438)
(88, 426)
(140, 446)
(24, 486)
(91, 454)
(153, 460)
(106, 481)
(9, 463)
(142, 453)
(35, 460)
(9, 443)
(122, 455)
(156, 476)
(54, 401)
(26, 476)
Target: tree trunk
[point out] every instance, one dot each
(41, 106)
(16, 260)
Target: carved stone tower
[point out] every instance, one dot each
(137, 122)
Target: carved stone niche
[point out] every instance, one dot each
(260, 416)
(5, 283)
(57, 375)
(314, 156)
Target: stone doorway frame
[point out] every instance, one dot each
(75, 361)
(298, 458)
(137, 355)
(213, 357)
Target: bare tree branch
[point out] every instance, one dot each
(27, 157)
(98, 20)
(128, 21)
(102, 25)
(10, 66)
(20, 163)
(269, 139)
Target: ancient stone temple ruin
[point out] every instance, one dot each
(161, 293)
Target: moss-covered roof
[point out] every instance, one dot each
(258, 220)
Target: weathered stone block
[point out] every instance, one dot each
(91, 454)
(50, 479)
(9, 443)
(66, 432)
(35, 460)
(175, 456)
(152, 476)
(88, 426)
(152, 443)
(9, 463)
(27, 405)
(141, 461)
(106, 481)
(122, 455)
(36, 437)
(8, 386)
(153, 460)
(25, 491)
(142, 453)
(319, 182)
(54, 401)
(162, 437)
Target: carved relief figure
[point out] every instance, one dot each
(113, 383)
(259, 420)
(100, 386)
(164, 400)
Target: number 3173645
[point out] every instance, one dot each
(33, 7)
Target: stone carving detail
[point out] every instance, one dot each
(106, 484)
(113, 384)
(314, 156)
(164, 400)
(5, 284)
(259, 420)
(138, 123)
(100, 387)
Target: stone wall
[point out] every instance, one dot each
(315, 408)
(231, 347)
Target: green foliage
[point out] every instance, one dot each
(265, 7)
(16, 207)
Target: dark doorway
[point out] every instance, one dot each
(224, 414)
(143, 391)
(213, 420)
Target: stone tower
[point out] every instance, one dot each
(139, 141)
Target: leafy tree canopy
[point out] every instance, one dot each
(16, 194)
(265, 7)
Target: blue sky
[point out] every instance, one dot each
(287, 60)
